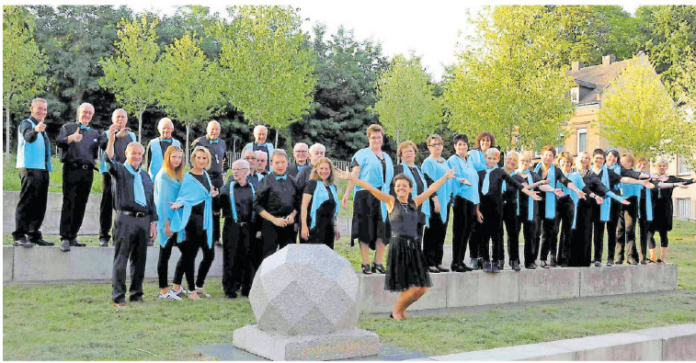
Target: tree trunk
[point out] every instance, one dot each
(187, 143)
(7, 135)
(276, 141)
(140, 126)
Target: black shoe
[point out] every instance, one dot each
(74, 242)
(597, 264)
(554, 263)
(443, 269)
(501, 265)
(65, 245)
(378, 268)
(366, 269)
(23, 242)
(476, 265)
(42, 242)
(433, 269)
(232, 295)
(610, 262)
(461, 268)
(103, 242)
(632, 262)
(620, 261)
(530, 266)
(150, 243)
(516, 265)
(495, 267)
(135, 299)
(644, 261)
(245, 291)
(486, 266)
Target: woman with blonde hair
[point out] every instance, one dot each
(320, 205)
(167, 185)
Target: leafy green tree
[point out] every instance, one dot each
(131, 72)
(406, 103)
(189, 18)
(347, 71)
(638, 114)
(267, 69)
(74, 39)
(23, 65)
(189, 89)
(512, 82)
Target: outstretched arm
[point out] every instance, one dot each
(383, 197)
(419, 199)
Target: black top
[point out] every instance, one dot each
(524, 198)
(593, 184)
(217, 153)
(277, 197)
(163, 144)
(511, 190)
(326, 209)
(200, 207)
(303, 177)
(123, 190)
(120, 146)
(294, 169)
(257, 147)
(404, 219)
(243, 201)
(253, 179)
(30, 136)
(615, 179)
(492, 202)
(84, 152)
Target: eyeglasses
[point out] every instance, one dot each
(249, 158)
(435, 145)
(236, 169)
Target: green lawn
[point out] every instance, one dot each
(10, 177)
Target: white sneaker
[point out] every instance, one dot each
(170, 295)
(178, 292)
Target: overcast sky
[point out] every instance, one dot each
(431, 29)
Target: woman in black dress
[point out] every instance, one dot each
(407, 270)
(320, 205)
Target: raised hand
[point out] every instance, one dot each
(450, 173)
(123, 132)
(75, 137)
(41, 127)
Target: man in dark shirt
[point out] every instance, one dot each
(217, 148)
(261, 162)
(254, 177)
(237, 231)
(79, 144)
(277, 203)
(136, 218)
(123, 138)
(300, 153)
(34, 164)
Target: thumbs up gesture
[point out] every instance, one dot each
(40, 127)
(76, 137)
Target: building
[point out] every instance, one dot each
(583, 133)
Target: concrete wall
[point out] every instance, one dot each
(453, 290)
(676, 342)
(90, 224)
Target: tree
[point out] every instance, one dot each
(638, 114)
(347, 73)
(189, 91)
(131, 71)
(23, 65)
(406, 103)
(512, 82)
(267, 69)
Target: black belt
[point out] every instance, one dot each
(132, 214)
(82, 166)
(244, 224)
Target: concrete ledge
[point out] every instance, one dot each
(676, 342)
(83, 264)
(543, 284)
(7, 263)
(375, 299)
(604, 280)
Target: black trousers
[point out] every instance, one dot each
(464, 219)
(434, 239)
(274, 238)
(196, 238)
(548, 233)
(77, 184)
(31, 207)
(611, 224)
(565, 213)
(644, 226)
(130, 243)
(236, 256)
(163, 261)
(513, 230)
(531, 244)
(626, 231)
(489, 230)
(218, 182)
(581, 236)
(106, 208)
(664, 239)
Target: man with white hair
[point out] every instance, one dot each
(79, 144)
(299, 152)
(157, 147)
(136, 218)
(237, 198)
(254, 177)
(261, 162)
(260, 144)
(124, 136)
(34, 164)
(217, 148)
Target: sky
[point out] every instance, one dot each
(430, 29)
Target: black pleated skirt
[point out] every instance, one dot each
(406, 265)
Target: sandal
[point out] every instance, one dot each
(366, 269)
(201, 292)
(378, 268)
(660, 262)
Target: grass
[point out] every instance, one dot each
(10, 177)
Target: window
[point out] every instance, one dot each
(684, 208)
(582, 140)
(575, 95)
(682, 166)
